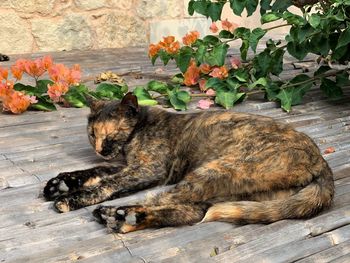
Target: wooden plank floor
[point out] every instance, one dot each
(35, 146)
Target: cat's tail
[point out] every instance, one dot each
(306, 203)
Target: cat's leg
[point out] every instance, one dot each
(126, 219)
(72, 181)
(129, 180)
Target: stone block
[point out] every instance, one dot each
(15, 34)
(119, 29)
(159, 8)
(33, 6)
(71, 32)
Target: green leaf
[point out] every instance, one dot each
(30, 90)
(153, 59)
(158, 86)
(143, 97)
(321, 70)
(190, 8)
(200, 6)
(183, 58)
(42, 85)
(226, 34)
(214, 11)
(251, 6)
(331, 89)
(264, 6)
(199, 55)
(270, 17)
(260, 82)
(237, 6)
(164, 56)
(215, 83)
(272, 90)
(110, 91)
(178, 79)
(299, 51)
(179, 99)
(344, 38)
(227, 98)
(293, 19)
(315, 20)
(217, 56)
(255, 36)
(293, 95)
(342, 78)
(44, 104)
(276, 66)
(209, 39)
(241, 74)
(281, 5)
(75, 98)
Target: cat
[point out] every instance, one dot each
(226, 166)
(4, 57)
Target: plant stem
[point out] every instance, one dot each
(274, 27)
(323, 75)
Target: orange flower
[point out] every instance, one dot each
(3, 73)
(153, 50)
(17, 102)
(16, 72)
(213, 28)
(47, 62)
(173, 48)
(168, 40)
(56, 90)
(205, 68)
(219, 72)
(190, 38)
(74, 75)
(58, 72)
(229, 26)
(20, 63)
(169, 45)
(191, 76)
(6, 88)
(34, 68)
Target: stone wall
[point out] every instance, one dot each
(54, 25)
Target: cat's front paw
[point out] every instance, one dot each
(123, 219)
(56, 187)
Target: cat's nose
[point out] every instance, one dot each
(98, 146)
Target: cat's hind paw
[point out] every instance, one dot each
(122, 219)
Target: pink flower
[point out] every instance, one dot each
(202, 83)
(235, 62)
(47, 62)
(229, 26)
(210, 92)
(213, 28)
(205, 104)
(219, 72)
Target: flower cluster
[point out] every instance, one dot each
(169, 45)
(225, 25)
(12, 100)
(18, 101)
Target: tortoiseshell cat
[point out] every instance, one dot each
(227, 166)
(4, 57)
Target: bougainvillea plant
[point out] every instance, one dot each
(322, 29)
(52, 84)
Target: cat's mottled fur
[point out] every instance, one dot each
(227, 166)
(4, 57)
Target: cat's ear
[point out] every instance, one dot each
(93, 103)
(130, 101)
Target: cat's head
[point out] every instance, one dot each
(110, 124)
